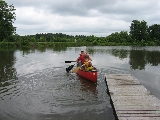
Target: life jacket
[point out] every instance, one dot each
(81, 58)
(88, 66)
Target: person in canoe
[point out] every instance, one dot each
(80, 60)
(87, 65)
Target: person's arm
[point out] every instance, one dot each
(77, 60)
(90, 58)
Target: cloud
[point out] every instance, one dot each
(82, 17)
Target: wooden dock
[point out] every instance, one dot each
(130, 99)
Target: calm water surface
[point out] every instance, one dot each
(35, 86)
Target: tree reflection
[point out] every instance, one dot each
(7, 70)
(138, 59)
(120, 53)
(153, 58)
(27, 51)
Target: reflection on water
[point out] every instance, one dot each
(139, 57)
(42, 49)
(8, 74)
(88, 86)
(53, 94)
(34, 84)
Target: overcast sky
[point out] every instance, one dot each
(82, 17)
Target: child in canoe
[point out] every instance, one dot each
(87, 65)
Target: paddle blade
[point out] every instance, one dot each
(69, 68)
(75, 69)
(69, 61)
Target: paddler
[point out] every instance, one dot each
(80, 60)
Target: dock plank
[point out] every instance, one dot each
(138, 118)
(130, 99)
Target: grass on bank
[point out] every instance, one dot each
(69, 44)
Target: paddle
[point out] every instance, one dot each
(69, 68)
(75, 69)
(69, 61)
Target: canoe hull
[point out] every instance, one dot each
(89, 75)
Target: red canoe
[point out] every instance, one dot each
(90, 75)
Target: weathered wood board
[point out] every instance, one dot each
(130, 99)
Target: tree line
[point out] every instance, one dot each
(140, 33)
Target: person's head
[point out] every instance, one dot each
(86, 59)
(86, 56)
(82, 52)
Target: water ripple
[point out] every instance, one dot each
(51, 92)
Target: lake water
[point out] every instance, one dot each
(35, 86)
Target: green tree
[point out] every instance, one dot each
(124, 37)
(154, 32)
(138, 30)
(7, 18)
(90, 38)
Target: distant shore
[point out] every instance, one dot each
(65, 44)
